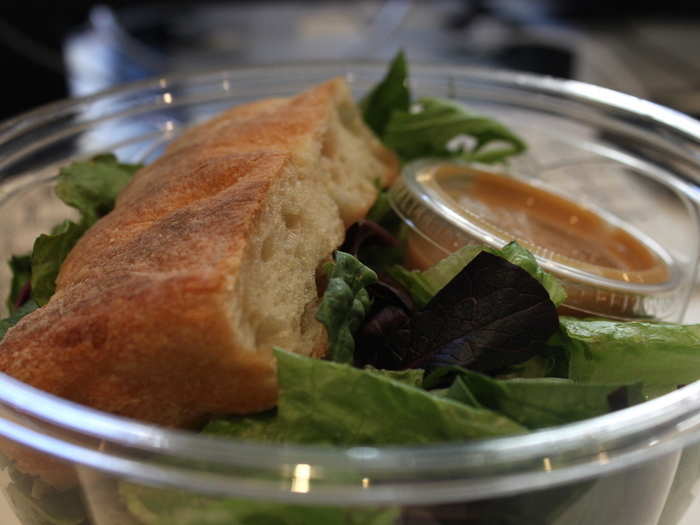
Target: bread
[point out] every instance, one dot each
(168, 308)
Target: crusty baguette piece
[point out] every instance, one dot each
(168, 308)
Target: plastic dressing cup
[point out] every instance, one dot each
(609, 265)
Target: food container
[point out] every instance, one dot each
(611, 265)
(633, 467)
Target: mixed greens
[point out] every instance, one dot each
(433, 127)
(470, 348)
(91, 187)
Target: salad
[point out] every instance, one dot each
(470, 348)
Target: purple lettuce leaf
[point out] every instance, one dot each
(491, 315)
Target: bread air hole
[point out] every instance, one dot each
(292, 220)
(329, 147)
(268, 247)
(269, 331)
(336, 175)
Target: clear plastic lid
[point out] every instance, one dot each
(608, 266)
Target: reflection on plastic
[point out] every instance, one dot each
(300, 481)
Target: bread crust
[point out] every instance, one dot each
(148, 316)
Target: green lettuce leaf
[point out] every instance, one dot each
(412, 280)
(516, 254)
(661, 355)
(550, 506)
(550, 362)
(266, 426)
(381, 209)
(410, 376)
(92, 186)
(321, 402)
(460, 391)
(546, 402)
(427, 129)
(160, 506)
(536, 403)
(345, 304)
(89, 186)
(21, 268)
(9, 322)
(48, 255)
(390, 95)
(423, 285)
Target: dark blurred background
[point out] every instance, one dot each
(51, 50)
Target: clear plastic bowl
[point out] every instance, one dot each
(633, 467)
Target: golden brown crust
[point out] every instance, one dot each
(144, 322)
(137, 291)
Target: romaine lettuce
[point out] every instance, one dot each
(92, 188)
(329, 403)
(428, 128)
(9, 322)
(536, 403)
(161, 506)
(21, 268)
(663, 356)
(389, 95)
(344, 304)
